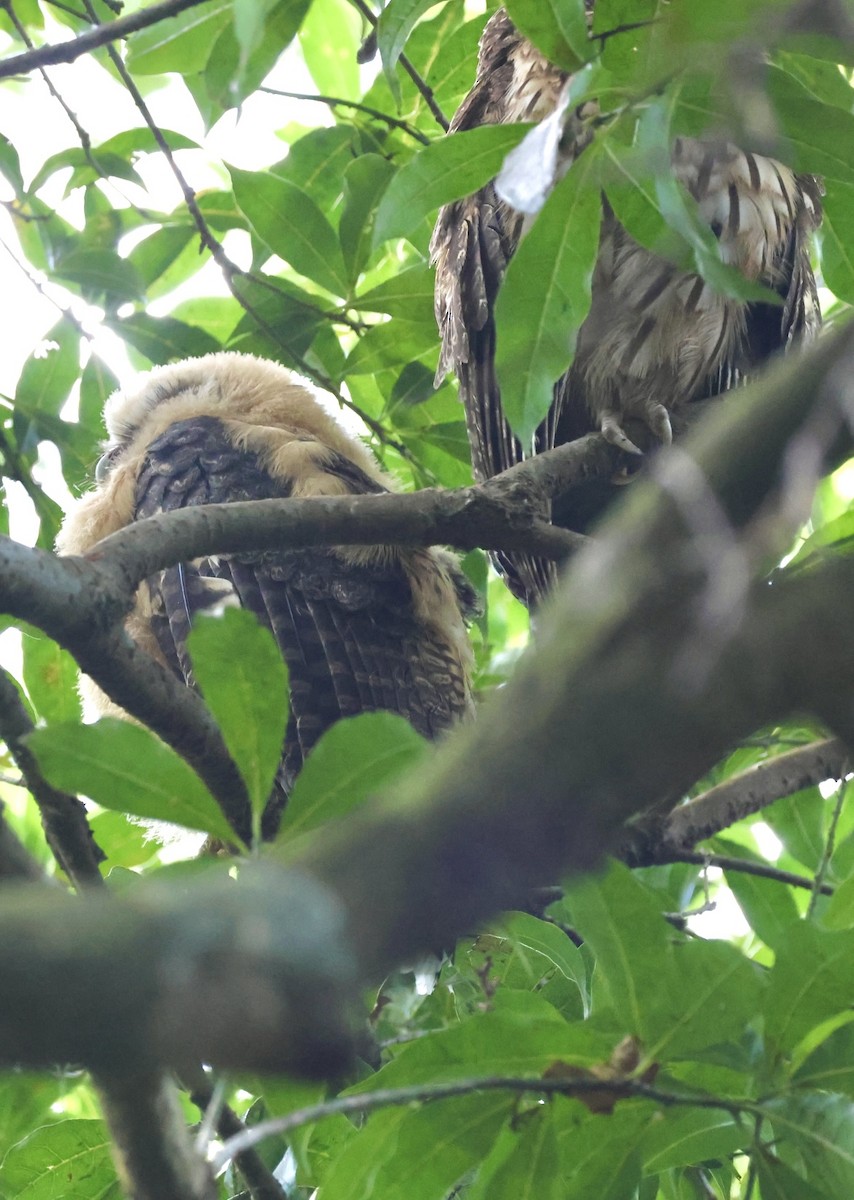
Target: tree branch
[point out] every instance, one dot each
(253, 974)
(340, 102)
(420, 83)
(747, 866)
(73, 602)
(63, 816)
(661, 838)
(74, 48)
(610, 1089)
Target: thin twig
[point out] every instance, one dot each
(747, 867)
(819, 885)
(618, 1089)
(229, 269)
(42, 290)
(112, 31)
(340, 102)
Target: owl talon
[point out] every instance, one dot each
(612, 431)
(658, 420)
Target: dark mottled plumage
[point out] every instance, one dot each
(656, 337)
(361, 629)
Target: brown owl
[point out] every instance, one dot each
(656, 337)
(361, 628)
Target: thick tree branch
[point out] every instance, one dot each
(661, 838)
(154, 1155)
(112, 31)
(69, 600)
(254, 974)
(639, 682)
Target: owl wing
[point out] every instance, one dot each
(472, 244)
(345, 624)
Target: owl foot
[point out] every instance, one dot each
(657, 420)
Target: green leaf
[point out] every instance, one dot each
(397, 20)
(448, 170)
(836, 240)
(317, 162)
(365, 180)
(156, 253)
(769, 906)
(800, 997)
(798, 822)
(521, 1036)
(50, 676)
(291, 224)
(780, 1182)
(353, 760)
(250, 19)
(408, 295)
(821, 1128)
(125, 767)
(524, 1163)
(620, 920)
(101, 273)
(830, 1067)
(244, 682)
(684, 1136)
(546, 296)
(162, 339)
(437, 1144)
(557, 27)
(97, 383)
(181, 43)
(600, 1156)
(48, 376)
(549, 944)
(68, 1160)
(329, 38)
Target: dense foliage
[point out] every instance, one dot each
(745, 1037)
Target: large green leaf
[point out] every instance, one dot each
(292, 225)
(69, 1160)
(244, 682)
(799, 997)
(181, 43)
(557, 27)
(351, 761)
(365, 180)
(447, 170)
(124, 767)
(820, 1127)
(50, 675)
(830, 1067)
(524, 1162)
(546, 296)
